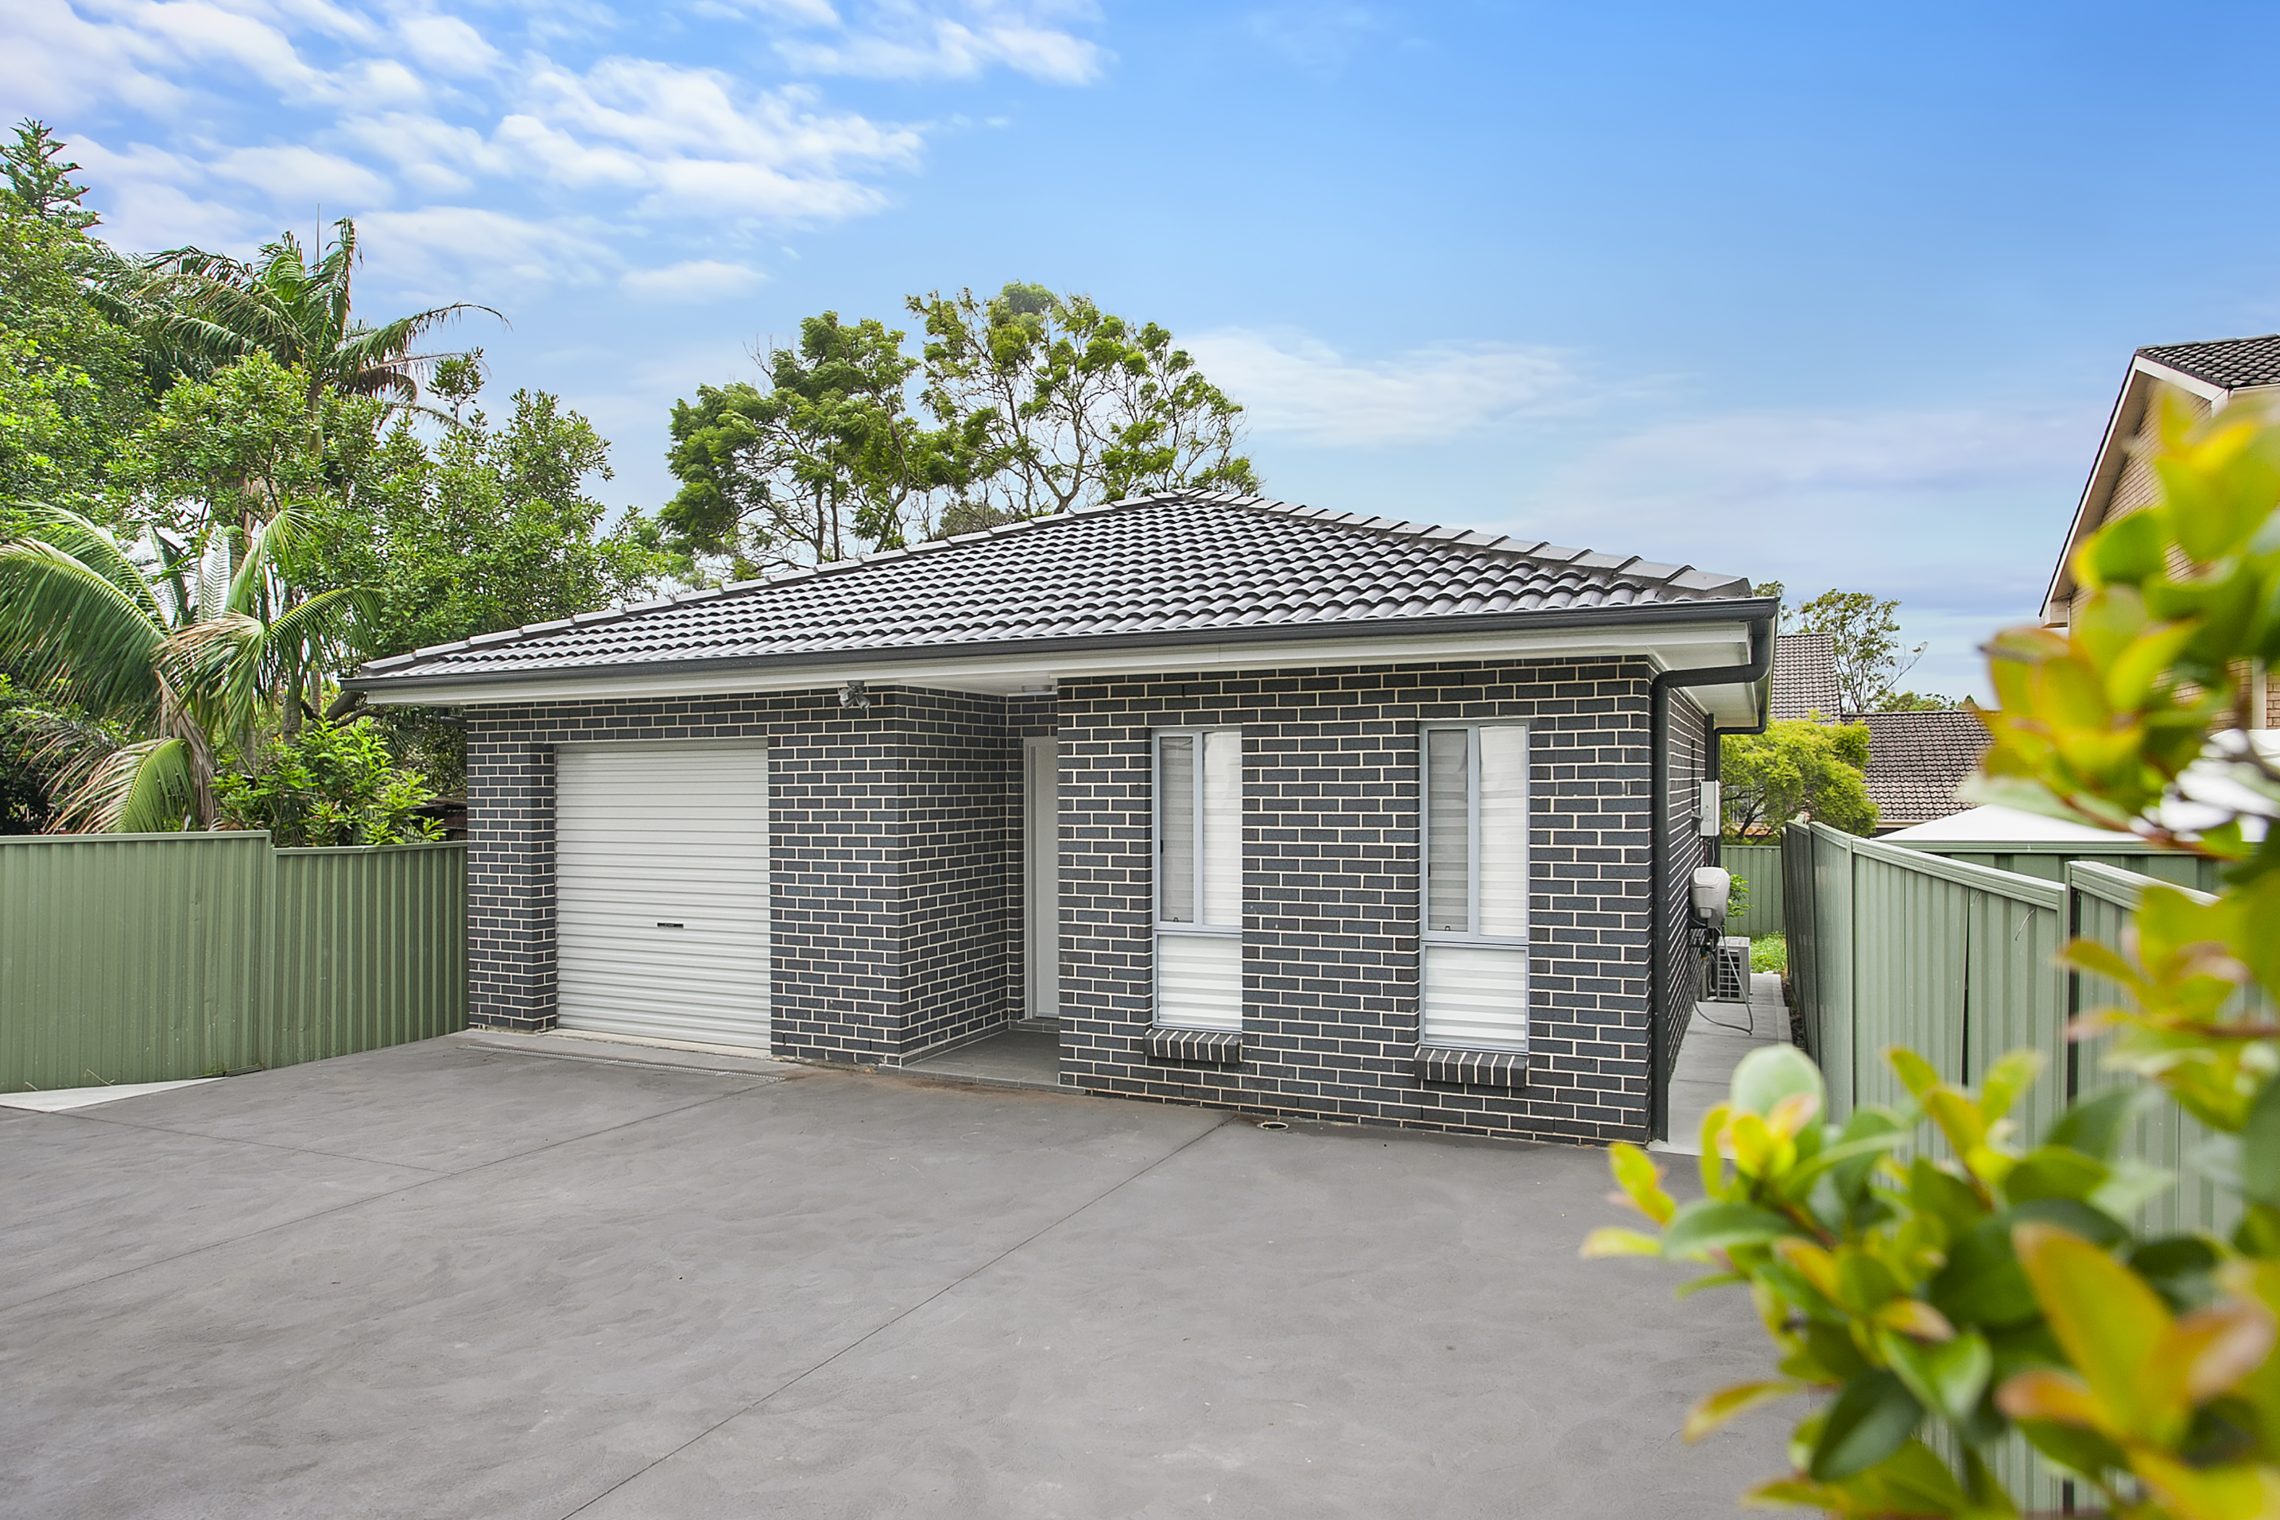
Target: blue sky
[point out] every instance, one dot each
(1833, 294)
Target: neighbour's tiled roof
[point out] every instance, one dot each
(1180, 563)
(1917, 760)
(1804, 676)
(2233, 363)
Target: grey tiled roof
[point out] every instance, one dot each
(2230, 362)
(1177, 564)
(1917, 760)
(1804, 676)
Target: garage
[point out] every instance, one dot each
(661, 891)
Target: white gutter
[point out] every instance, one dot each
(1665, 646)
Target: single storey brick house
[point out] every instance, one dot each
(1260, 806)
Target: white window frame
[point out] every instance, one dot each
(1202, 828)
(1471, 936)
(1201, 928)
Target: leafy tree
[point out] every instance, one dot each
(208, 310)
(1052, 403)
(1998, 1283)
(330, 784)
(825, 461)
(1870, 657)
(39, 178)
(71, 380)
(243, 445)
(1917, 701)
(185, 649)
(492, 527)
(1796, 767)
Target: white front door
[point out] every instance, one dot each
(661, 891)
(1041, 876)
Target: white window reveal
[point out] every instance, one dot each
(1475, 955)
(1199, 878)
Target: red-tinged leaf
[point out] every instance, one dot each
(1914, 1318)
(2054, 1397)
(1715, 1409)
(2210, 1351)
(2106, 1319)
(1609, 1241)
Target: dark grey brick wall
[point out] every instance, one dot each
(888, 848)
(1330, 950)
(1689, 749)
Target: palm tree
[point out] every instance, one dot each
(160, 659)
(205, 309)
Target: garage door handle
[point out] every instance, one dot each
(664, 925)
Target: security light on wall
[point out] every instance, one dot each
(1708, 817)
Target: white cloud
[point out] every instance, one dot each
(434, 155)
(692, 280)
(1298, 385)
(478, 253)
(446, 44)
(297, 175)
(903, 41)
(54, 61)
(690, 139)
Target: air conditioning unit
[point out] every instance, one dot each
(1730, 970)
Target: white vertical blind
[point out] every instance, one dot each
(1175, 824)
(1223, 828)
(1503, 831)
(1448, 823)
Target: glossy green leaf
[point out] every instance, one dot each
(1701, 1228)
(1870, 1420)
(1948, 1376)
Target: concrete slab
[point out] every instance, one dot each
(85, 1201)
(473, 1104)
(1717, 1038)
(1346, 1331)
(841, 1295)
(1013, 1058)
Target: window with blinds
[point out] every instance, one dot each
(1199, 878)
(1474, 992)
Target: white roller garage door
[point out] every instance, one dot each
(661, 891)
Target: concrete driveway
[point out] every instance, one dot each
(450, 1280)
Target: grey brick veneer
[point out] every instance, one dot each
(1330, 943)
(889, 842)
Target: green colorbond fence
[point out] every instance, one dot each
(1956, 960)
(1765, 911)
(154, 957)
(1760, 866)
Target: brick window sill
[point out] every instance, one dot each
(1209, 1047)
(1473, 1068)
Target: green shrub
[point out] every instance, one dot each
(330, 784)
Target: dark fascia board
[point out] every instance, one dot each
(1735, 609)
